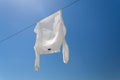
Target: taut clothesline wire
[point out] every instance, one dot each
(24, 29)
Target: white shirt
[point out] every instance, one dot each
(51, 33)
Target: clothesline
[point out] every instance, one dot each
(26, 28)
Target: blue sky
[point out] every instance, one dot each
(93, 37)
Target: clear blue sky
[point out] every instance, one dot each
(92, 34)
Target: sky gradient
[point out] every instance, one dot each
(93, 37)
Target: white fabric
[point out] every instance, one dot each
(50, 35)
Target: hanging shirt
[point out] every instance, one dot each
(50, 36)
